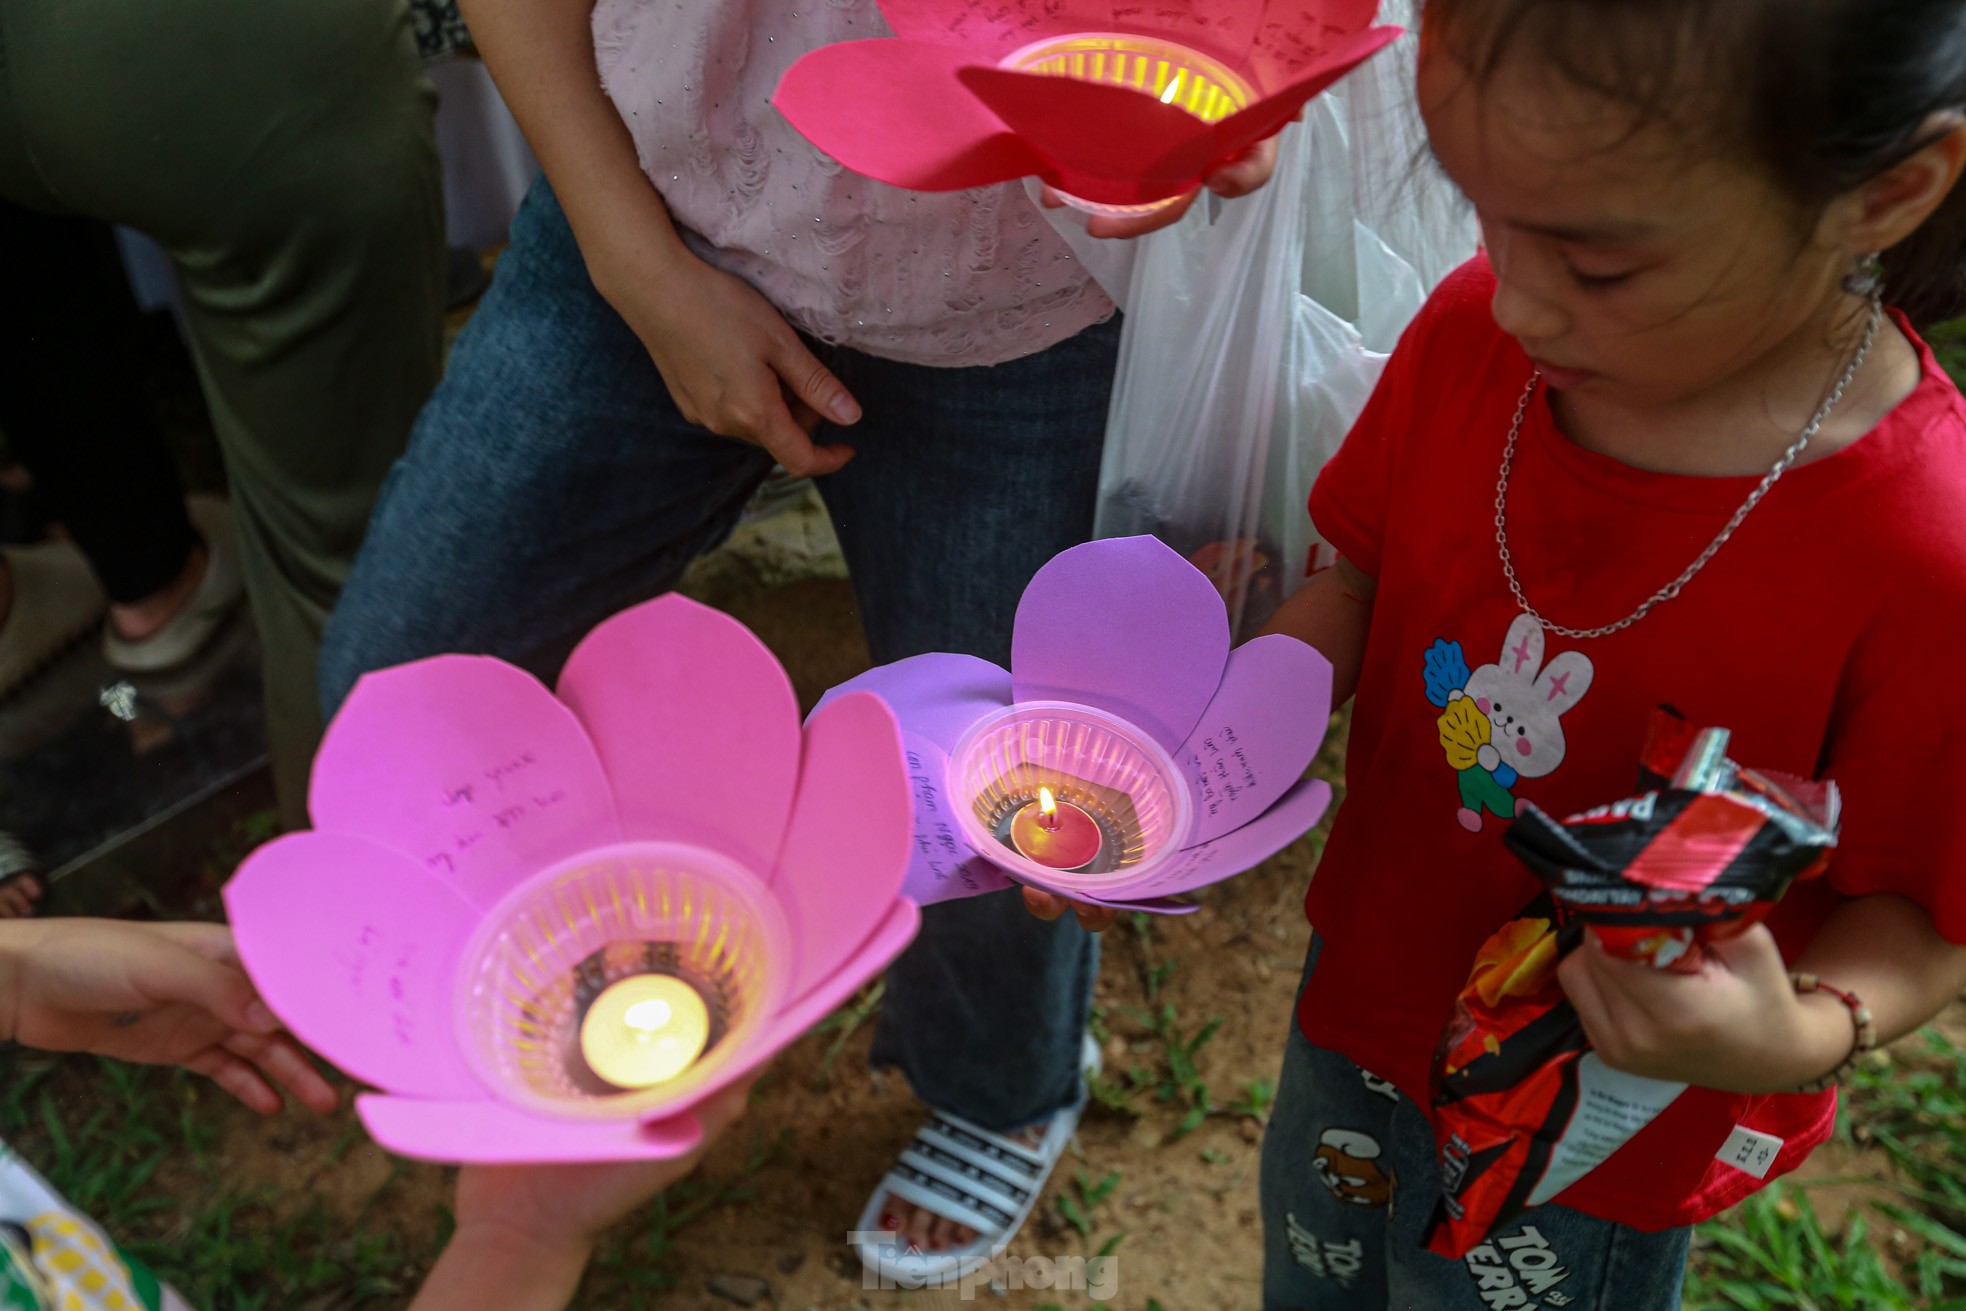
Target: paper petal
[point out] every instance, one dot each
(492, 1133)
(893, 110)
(1156, 906)
(989, 32)
(1126, 626)
(1296, 813)
(1293, 35)
(696, 724)
(935, 697)
(1103, 143)
(467, 766)
(895, 931)
(850, 837)
(942, 866)
(355, 949)
(1269, 115)
(1258, 735)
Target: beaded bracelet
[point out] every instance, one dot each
(1860, 1019)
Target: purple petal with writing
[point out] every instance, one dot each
(492, 1133)
(355, 948)
(1126, 626)
(1258, 735)
(943, 867)
(1295, 814)
(936, 696)
(467, 766)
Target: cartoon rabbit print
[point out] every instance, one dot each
(1503, 722)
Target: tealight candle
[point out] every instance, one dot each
(1059, 835)
(644, 1030)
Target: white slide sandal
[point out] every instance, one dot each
(987, 1182)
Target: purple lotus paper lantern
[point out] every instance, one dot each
(547, 926)
(1126, 757)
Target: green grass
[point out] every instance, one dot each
(1773, 1252)
(225, 1247)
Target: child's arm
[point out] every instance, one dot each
(1331, 612)
(524, 1233)
(721, 348)
(1739, 1026)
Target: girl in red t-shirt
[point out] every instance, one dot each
(1672, 439)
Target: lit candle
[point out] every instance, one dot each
(1060, 835)
(644, 1030)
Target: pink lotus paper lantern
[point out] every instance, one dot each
(1169, 762)
(1121, 107)
(548, 926)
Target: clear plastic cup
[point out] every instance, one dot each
(555, 943)
(1113, 771)
(1172, 73)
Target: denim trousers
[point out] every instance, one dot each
(551, 481)
(1349, 1183)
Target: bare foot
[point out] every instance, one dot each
(18, 895)
(140, 619)
(924, 1229)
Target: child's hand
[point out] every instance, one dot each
(1049, 906)
(156, 994)
(732, 363)
(1736, 1024)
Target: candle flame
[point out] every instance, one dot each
(1047, 802)
(1173, 90)
(648, 1016)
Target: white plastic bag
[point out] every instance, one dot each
(1256, 329)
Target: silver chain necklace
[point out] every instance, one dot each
(1672, 589)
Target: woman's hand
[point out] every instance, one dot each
(1049, 906)
(1735, 1024)
(1240, 175)
(156, 994)
(730, 360)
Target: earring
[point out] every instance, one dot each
(1866, 279)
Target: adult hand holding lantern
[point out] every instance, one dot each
(550, 926)
(1121, 110)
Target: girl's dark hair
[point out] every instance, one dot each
(1835, 92)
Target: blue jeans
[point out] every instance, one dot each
(1349, 1184)
(551, 482)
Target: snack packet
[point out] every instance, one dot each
(1522, 1107)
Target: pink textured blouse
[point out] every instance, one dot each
(966, 278)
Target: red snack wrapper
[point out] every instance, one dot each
(1522, 1108)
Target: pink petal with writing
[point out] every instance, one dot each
(893, 110)
(848, 843)
(1108, 144)
(467, 766)
(936, 696)
(1291, 36)
(1126, 626)
(989, 31)
(1296, 813)
(1258, 735)
(492, 1133)
(355, 949)
(696, 725)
